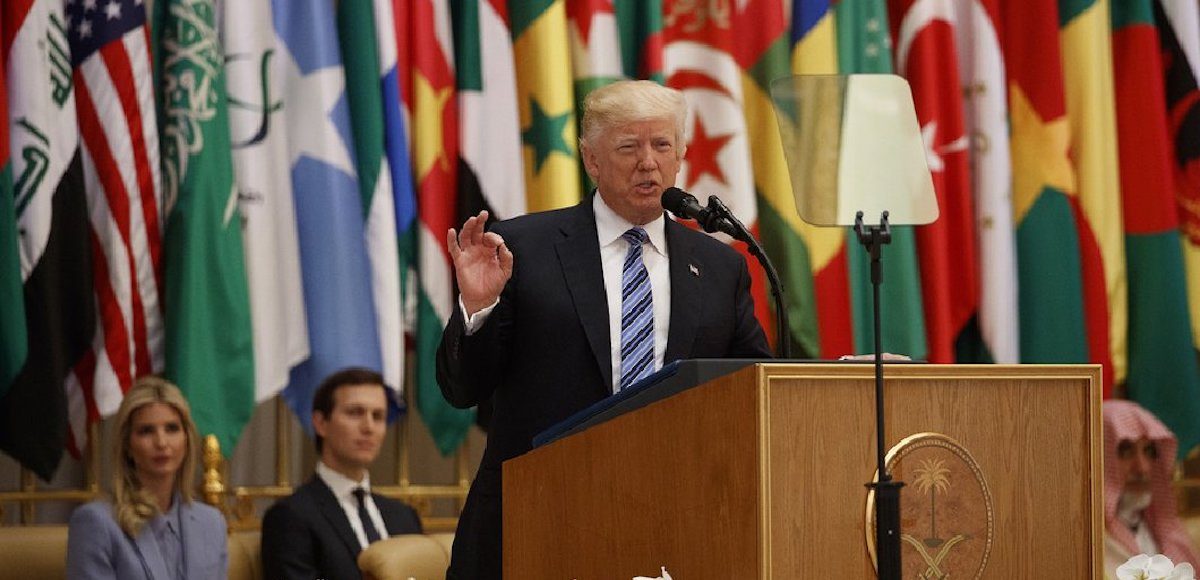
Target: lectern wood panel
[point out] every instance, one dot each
(1030, 430)
(674, 484)
(760, 473)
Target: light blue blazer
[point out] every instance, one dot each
(97, 548)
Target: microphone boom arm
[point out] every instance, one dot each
(782, 329)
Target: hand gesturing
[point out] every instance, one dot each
(482, 263)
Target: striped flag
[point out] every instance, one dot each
(699, 60)
(865, 47)
(13, 338)
(260, 157)
(335, 267)
(435, 155)
(640, 24)
(51, 213)
(1088, 85)
(209, 346)
(1049, 269)
(546, 100)
(1164, 376)
(489, 126)
(763, 54)
(595, 41)
(356, 26)
(391, 20)
(1179, 39)
(120, 152)
(927, 56)
(981, 64)
(814, 51)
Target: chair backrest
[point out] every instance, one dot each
(406, 556)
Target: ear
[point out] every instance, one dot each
(319, 423)
(589, 160)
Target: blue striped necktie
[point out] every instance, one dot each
(637, 313)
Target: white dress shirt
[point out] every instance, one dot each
(613, 248)
(343, 489)
(609, 228)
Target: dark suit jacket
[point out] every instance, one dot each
(544, 354)
(306, 535)
(97, 548)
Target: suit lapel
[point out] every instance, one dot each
(579, 256)
(686, 305)
(147, 547)
(332, 511)
(194, 542)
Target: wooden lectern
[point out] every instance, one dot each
(759, 474)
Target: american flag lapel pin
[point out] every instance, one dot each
(695, 271)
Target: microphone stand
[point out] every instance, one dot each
(782, 329)
(887, 491)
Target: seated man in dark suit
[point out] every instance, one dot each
(319, 530)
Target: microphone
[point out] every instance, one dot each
(718, 217)
(684, 204)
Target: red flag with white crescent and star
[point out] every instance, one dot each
(927, 56)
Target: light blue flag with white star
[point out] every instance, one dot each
(333, 256)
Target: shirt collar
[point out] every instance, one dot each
(341, 485)
(168, 519)
(610, 226)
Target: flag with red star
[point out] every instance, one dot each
(699, 59)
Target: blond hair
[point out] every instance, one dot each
(132, 505)
(625, 101)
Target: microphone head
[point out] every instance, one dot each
(675, 199)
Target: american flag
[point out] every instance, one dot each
(115, 102)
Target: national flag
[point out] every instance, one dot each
(1164, 375)
(12, 302)
(390, 18)
(640, 24)
(595, 42)
(114, 102)
(1179, 38)
(981, 65)
(864, 46)
(926, 55)
(51, 220)
(210, 345)
(489, 121)
(764, 55)
(364, 78)
(334, 264)
(546, 100)
(260, 157)
(699, 60)
(436, 158)
(1049, 269)
(814, 51)
(1088, 85)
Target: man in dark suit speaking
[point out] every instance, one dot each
(318, 531)
(560, 309)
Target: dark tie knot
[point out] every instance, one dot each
(636, 236)
(359, 494)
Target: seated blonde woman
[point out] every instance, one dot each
(151, 529)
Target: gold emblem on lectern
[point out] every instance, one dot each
(946, 516)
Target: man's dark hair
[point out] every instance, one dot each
(323, 400)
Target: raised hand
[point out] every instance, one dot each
(482, 263)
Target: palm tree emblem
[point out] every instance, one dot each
(931, 476)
